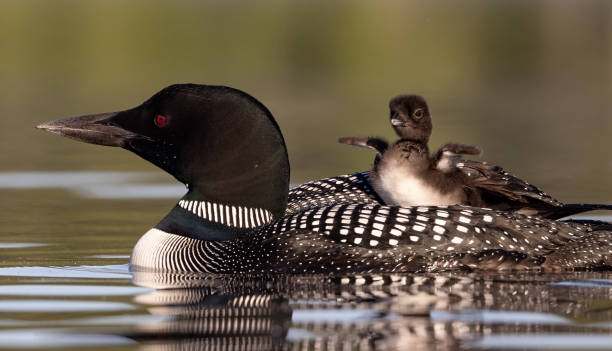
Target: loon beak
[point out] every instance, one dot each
(396, 122)
(92, 129)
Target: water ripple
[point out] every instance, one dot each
(38, 306)
(70, 290)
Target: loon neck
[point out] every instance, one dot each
(195, 217)
(412, 140)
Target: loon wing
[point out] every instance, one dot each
(379, 145)
(376, 238)
(447, 156)
(501, 190)
(349, 188)
(457, 149)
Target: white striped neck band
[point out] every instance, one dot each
(231, 216)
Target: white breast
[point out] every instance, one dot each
(396, 186)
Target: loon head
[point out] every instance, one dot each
(410, 118)
(219, 141)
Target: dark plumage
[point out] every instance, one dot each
(236, 217)
(405, 174)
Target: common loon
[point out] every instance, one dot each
(405, 174)
(226, 147)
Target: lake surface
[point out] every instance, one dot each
(65, 241)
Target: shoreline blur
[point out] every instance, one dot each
(529, 82)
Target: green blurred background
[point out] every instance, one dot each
(528, 81)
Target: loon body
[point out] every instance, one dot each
(238, 215)
(405, 174)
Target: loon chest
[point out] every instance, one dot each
(399, 185)
(203, 236)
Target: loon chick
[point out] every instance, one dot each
(227, 148)
(411, 120)
(405, 174)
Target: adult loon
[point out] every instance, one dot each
(405, 174)
(226, 147)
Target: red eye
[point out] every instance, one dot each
(161, 120)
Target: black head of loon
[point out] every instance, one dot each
(410, 117)
(221, 142)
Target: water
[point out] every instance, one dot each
(527, 81)
(64, 283)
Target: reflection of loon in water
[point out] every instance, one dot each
(228, 149)
(362, 312)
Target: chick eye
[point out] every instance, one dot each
(418, 113)
(161, 121)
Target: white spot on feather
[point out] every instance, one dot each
(462, 229)
(457, 240)
(395, 232)
(418, 228)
